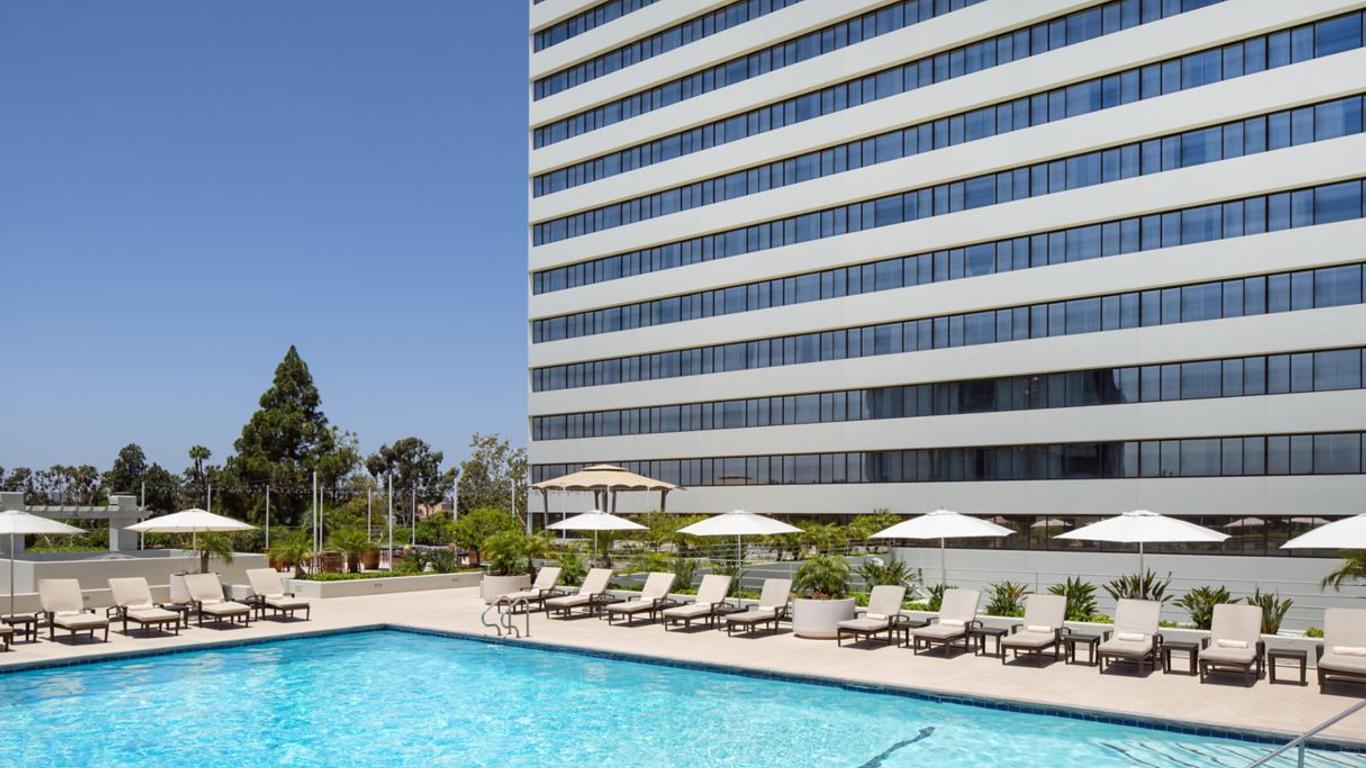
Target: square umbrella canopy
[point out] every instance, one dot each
(943, 524)
(14, 522)
(595, 520)
(1141, 527)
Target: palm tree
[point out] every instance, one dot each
(199, 454)
(1353, 568)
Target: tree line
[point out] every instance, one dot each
(284, 442)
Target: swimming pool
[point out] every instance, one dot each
(390, 698)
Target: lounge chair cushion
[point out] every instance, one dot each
(864, 624)
(530, 595)
(752, 616)
(688, 611)
(1134, 649)
(1029, 639)
(634, 606)
(1131, 637)
(79, 621)
(941, 631)
(1223, 655)
(1337, 662)
(286, 603)
(569, 601)
(152, 614)
(225, 608)
(1349, 650)
(6, 629)
(1038, 628)
(1224, 642)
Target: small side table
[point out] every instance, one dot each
(1192, 651)
(182, 609)
(1294, 654)
(26, 626)
(903, 626)
(980, 635)
(1070, 641)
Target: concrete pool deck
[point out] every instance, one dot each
(1226, 703)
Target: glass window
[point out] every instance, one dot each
(1337, 454)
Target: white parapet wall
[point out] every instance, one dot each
(382, 585)
(94, 572)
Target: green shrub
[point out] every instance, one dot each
(1200, 602)
(824, 577)
(936, 600)
(475, 526)
(649, 562)
(729, 567)
(510, 552)
(1007, 598)
(685, 572)
(876, 573)
(354, 544)
(1147, 586)
(1081, 598)
(572, 568)
(1314, 632)
(1273, 609)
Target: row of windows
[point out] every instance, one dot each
(582, 22)
(965, 60)
(889, 18)
(1261, 294)
(677, 36)
(1324, 204)
(1336, 453)
(1324, 371)
(1182, 73)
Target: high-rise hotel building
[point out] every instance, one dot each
(1052, 258)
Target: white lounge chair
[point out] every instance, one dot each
(133, 602)
(711, 594)
(1343, 653)
(771, 609)
(1041, 630)
(268, 592)
(543, 588)
(590, 597)
(884, 608)
(1234, 642)
(653, 598)
(64, 608)
(207, 593)
(957, 615)
(6, 635)
(1135, 637)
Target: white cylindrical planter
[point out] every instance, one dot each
(494, 586)
(816, 619)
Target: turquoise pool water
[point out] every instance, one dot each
(386, 698)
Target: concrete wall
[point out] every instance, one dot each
(94, 574)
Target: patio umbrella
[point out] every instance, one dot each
(739, 523)
(943, 524)
(595, 520)
(1348, 533)
(1143, 527)
(1247, 522)
(1051, 522)
(193, 522)
(13, 522)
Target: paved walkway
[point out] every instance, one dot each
(1282, 707)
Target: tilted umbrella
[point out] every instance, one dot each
(595, 520)
(193, 522)
(943, 524)
(13, 522)
(1246, 522)
(1051, 522)
(1143, 527)
(1348, 533)
(739, 523)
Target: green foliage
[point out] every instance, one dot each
(438, 561)
(936, 600)
(875, 572)
(1081, 598)
(291, 547)
(412, 465)
(685, 572)
(475, 526)
(1007, 598)
(862, 527)
(572, 568)
(511, 552)
(824, 538)
(662, 528)
(127, 471)
(217, 545)
(1273, 608)
(1314, 632)
(1147, 586)
(486, 477)
(1200, 602)
(823, 577)
(1352, 569)
(729, 567)
(436, 530)
(354, 544)
(649, 562)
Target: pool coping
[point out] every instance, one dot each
(1008, 704)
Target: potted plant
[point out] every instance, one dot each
(822, 587)
(332, 560)
(355, 545)
(291, 551)
(509, 556)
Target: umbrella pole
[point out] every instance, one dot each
(1140, 560)
(11, 574)
(943, 565)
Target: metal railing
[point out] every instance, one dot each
(1301, 742)
(502, 622)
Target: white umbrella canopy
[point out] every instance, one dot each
(739, 523)
(1141, 527)
(191, 521)
(16, 523)
(595, 520)
(1247, 522)
(1348, 533)
(1051, 522)
(943, 524)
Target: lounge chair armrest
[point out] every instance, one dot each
(931, 620)
(1157, 640)
(1064, 630)
(1318, 651)
(1105, 635)
(1261, 648)
(974, 624)
(112, 611)
(1015, 628)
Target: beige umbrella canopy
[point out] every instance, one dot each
(605, 479)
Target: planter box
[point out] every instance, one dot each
(817, 618)
(491, 587)
(382, 585)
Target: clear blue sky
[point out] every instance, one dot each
(188, 188)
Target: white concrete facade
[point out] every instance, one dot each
(1306, 165)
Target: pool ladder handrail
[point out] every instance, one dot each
(1299, 743)
(506, 610)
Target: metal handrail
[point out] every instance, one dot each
(1301, 741)
(506, 610)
